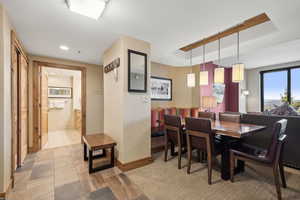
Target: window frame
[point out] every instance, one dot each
(288, 70)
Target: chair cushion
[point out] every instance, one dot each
(157, 133)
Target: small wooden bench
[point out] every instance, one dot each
(98, 142)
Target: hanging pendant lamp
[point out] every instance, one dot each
(203, 75)
(191, 78)
(238, 69)
(219, 71)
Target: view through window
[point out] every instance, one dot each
(281, 86)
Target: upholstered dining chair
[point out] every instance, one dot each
(208, 115)
(230, 117)
(271, 157)
(175, 136)
(201, 137)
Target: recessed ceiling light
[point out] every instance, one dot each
(89, 8)
(63, 47)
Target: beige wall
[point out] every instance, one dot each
(65, 114)
(5, 100)
(94, 115)
(127, 115)
(182, 97)
(253, 84)
(113, 97)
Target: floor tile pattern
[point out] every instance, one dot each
(62, 138)
(61, 174)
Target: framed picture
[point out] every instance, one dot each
(219, 92)
(161, 89)
(59, 92)
(137, 71)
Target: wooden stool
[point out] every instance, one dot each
(98, 142)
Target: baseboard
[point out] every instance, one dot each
(31, 150)
(2, 195)
(134, 164)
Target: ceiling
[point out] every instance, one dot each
(43, 26)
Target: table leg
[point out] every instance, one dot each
(225, 170)
(104, 152)
(112, 156)
(85, 158)
(90, 161)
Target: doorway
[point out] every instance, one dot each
(60, 107)
(60, 102)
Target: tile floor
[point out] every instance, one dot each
(61, 174)
(62, 138)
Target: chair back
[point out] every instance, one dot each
(277, 141)
(172, 123)
(229, 117)
(200, 131)
(208, 115)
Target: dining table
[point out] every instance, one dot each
(230, 134)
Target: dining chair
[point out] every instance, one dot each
(229, 117)
(208, 115)
(174, 135)
(200, 136)
(270, 157)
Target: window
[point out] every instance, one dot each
(278, 86)
(295, 88)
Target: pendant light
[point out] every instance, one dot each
(203, 75)
(191, 78)
(219, 71)
(238, 68)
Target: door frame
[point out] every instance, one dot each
(17, 46)
(37, 67)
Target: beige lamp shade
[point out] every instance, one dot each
(191, 80)
(203, 78)
(219, 75)
(208, 102)
(238, 71)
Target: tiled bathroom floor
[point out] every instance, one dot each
(63, 138)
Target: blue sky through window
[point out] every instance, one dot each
(295, 84)
(275, 83)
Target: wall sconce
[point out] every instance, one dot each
(245, 92)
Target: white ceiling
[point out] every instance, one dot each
(44, 25)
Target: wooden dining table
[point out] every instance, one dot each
(230, 133)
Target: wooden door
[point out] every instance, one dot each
(44, 108)
(14, 107)
(23, 107)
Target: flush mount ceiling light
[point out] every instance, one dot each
(88, 8)
(63, 47)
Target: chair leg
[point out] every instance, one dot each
(189, 148)
(179, 156)
(232, 166)
(277, 183)
(166, 149)
(281, 169)
(209, 163)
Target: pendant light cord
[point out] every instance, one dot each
(238, 47)
(219, 53)
(204, 57)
